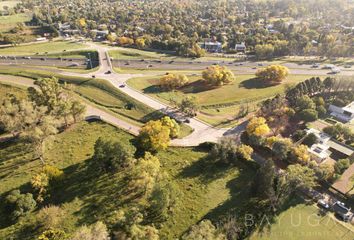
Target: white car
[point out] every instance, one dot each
(322, 203)
(335, 70)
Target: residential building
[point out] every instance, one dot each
(211, 46)
(345, 114)
(240, 47)
(320, 150)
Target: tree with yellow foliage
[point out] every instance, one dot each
(145, 173)
(299, 154)
(170, 81)
(172, 125)
(217, 75)
(140, 42)
(111, 38)
(82, 22)
(273, 74)
(257, 126)
(156, 135)
(125, 41)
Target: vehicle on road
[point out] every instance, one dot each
(108, 72)
(335, 70)
(122, 85)
(315, 65)
(93, 76)
(347, 66)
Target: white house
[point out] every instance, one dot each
(240, 47)
(320, 150)
(211, 46)
(345, 114)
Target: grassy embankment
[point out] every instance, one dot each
(103, 95)
(219, 105)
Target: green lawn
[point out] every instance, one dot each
(245, 87)
(304, 222)
(218, 105)
(42, 48)
(88, 197)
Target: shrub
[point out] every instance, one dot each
(19, 204)
(51, 217)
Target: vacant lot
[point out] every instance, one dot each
(42, 48)
(305, 222)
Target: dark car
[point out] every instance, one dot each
(43, 59)
(122, 85)
(108, 72)
(93, 76)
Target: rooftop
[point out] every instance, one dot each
(349, 108)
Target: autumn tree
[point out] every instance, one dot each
(156, 135)
(145, 174)
(217, 75)
(257, 126)
(273, 74)
(171, 81)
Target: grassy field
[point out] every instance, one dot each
(217, 104)
(305, 222)
(87, 197)
(9, 4)
(42, 48)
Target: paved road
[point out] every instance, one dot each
(202, 132)
(245, 68)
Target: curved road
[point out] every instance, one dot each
(202, 132)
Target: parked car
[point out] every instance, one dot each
(323, 204)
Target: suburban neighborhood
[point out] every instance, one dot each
(191, 120)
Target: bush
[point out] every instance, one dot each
(51, 217)
(19, 204)
(341, 165)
